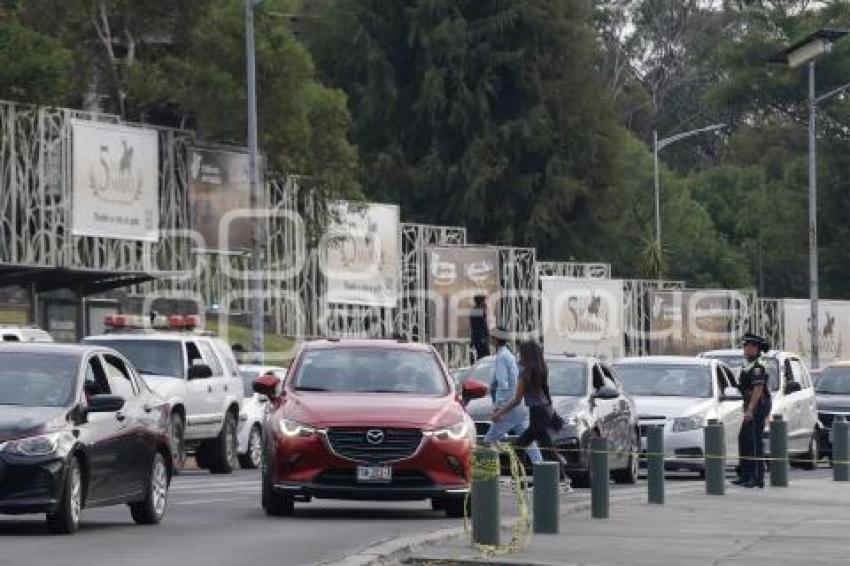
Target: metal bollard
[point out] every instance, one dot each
(715, 458)
(779, 465)
(546, 497)
(486, 514)
(841, 450)
(600, 476)
(655, 463)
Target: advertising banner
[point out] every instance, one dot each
(583, 317)
(220, 182)
(833, 329)
(361, 255)
(684, 323)
(115, 181)
(456, 275)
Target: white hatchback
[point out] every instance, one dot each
(682, 394)
(793, 396)
(250, 435)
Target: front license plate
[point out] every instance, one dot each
(374, 474)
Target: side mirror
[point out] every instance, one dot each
(199, 371)
(792, 387)
(473, 389)
(266, 385)
(606, 393)
(731, 394)
(105, 404)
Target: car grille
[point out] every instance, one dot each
(351, 443)
(348, 478)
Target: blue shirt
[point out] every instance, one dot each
(505, 374)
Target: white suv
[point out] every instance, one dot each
(793, 397)
(199, 376)
(23, 334)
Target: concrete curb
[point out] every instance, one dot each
(386, 552)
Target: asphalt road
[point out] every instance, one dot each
(217, 521)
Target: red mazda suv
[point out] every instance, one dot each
(369, 420)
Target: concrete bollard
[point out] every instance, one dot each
(841, 450)
(600, 477)
(655, 463)
(715, 458)
(546, 497)
(779, 464)
(486, 514)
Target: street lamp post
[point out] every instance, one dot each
(807, 51)
(257, 322)
(658, 145)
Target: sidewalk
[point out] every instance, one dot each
(806, 523)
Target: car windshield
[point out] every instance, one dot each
(834, 381)
(370, 370)
(665, 380)
(37, 380)
(150, 357)
(736, 362)
(248, 377)
(567, 379)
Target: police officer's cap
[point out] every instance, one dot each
(755, 340)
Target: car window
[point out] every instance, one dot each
(38, 380)
(193, 354)
(799, 373)
(666, 380)
(149, 357)
(248, 377)
(835, 380)
(567, 379)
(598, 377)
(96, 382)
(10, 338)
(230, 363)
(371, 370)
(722, 382)
(118, 377)
(211, 359)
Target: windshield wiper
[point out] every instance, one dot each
(382, 391)
(310, 388)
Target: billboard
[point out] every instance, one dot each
(833, 329)
(684, 323)
(583, 317)
(456, 275)
(220, 182)
(115, 191)
(361, 255)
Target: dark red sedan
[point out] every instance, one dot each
(367, 420)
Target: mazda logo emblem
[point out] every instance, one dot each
(375, 436)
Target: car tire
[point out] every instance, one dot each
(809, 460)
(222, 455)
(274, 503)
(629, 474)
(65, 519)
(151, 509)
(579, 479)
(253, 457)
(453, 507)
(178, 443)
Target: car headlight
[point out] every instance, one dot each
(42, 445)
(685, 424)
(293, 428)
(457, 431)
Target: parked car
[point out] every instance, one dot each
(833, 400)
(23, 334)
(793, 397)
(366, 420)
(196, 373)
(681, 394)
(589, 397)
(250, 435)
(79, 429)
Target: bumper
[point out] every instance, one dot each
(30, 486)
(370, 492)
(682, 450)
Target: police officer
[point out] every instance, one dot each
(754, 388)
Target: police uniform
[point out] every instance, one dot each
(751, 437)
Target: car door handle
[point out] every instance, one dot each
(120, 416)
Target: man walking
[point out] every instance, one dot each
(502, 391)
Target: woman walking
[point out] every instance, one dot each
(533, 387)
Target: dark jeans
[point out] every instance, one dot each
(538, 430)
(751, 444)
